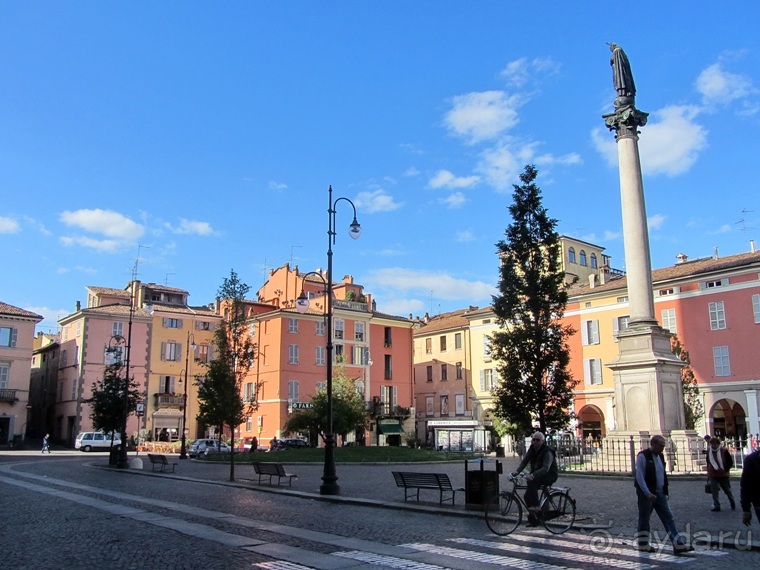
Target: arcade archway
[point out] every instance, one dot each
(728, 419)
(591, 422)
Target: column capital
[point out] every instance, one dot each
(625, 121)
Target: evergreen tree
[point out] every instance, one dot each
(693, 409)
(219, 393)
(530, 347)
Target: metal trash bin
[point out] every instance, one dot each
(481, 485)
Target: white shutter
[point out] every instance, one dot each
(587, 371)
(594, 332)
(14, 337)
(179, 323)
(163, 351)
(584, 332)
(482, 380)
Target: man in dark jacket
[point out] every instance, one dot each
(652, 491)
(543, 471)
(750, 487)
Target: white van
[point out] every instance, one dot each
(96, 441)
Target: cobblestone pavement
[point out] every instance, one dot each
(70, 510)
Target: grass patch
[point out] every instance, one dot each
(350, 454)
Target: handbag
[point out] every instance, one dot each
(708, 488)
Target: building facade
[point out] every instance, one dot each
(16, 346)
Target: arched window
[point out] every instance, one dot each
(593, 260)
(571, 255)
(583, 257)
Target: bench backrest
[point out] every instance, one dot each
(155, 458)
(269, 468)
(404, 479)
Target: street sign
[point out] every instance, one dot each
(140, 410)
(301, 405)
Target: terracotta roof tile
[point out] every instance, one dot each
(10, 310)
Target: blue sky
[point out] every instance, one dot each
(203, 137)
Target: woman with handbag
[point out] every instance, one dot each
(719, 463)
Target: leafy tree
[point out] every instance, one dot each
(348, 409)
(219, 393)
(693, 409)
(107, 401)
(530, 346)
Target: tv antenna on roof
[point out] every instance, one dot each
(743, 220)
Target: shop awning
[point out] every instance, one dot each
(389, 427)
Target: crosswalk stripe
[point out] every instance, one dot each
(482, 557)
(387, 561)
(575, 557)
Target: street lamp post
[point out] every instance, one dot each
(115, 345)
(123, 459)
(330, 478)
(183, 448)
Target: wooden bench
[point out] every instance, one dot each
(157, 460)
(435, 481)
(273, 470)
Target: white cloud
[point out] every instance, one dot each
(376, 201)
(446, 179)
(192, 227)
(443, 285)
(51, 316)
(9, 225)
(402, 307)
(106, 222)
(279, 186)
(549, 159)
(719, 87)
(455, 200)
(104, 245)
(502, 164)
(724, 229)
(465, 236)
(609, 235)
(669, 144)
(518, 73)
(655, 221)
(482, 116)
(412, 171)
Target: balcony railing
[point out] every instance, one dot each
(7, 395)
(169, 401)
(352, 305)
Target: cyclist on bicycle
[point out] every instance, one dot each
(543, 471)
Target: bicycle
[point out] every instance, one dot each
(556, 510)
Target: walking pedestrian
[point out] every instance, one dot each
(749, 493)
(254, 445)
(652, 492)
(46, 443)
(719, 463)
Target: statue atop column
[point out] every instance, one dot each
(627, 118)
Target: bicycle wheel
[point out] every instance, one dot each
(506, 516)
(558, 512)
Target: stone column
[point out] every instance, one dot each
(648, 392)
(753, 421)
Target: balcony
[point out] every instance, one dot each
(351, 305)
(169, 401)
(7, 395)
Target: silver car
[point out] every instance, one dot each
(207, 447)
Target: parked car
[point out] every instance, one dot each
(207, 447)
(96, 441)
(246, 445)
(292, 443)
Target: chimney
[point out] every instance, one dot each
(79, 306)
(604, 272)
(681, 258)
(715, 250)
(592, 280)
(752, 246)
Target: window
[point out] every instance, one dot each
(387, 337)
(583, 257)
(166, 385)
(571, 255)
(8, 336)
(428, 346)
(320, 328)
(292, 325)
(721, 361)
(359, 331)
(444, 405)
(459, 405)
(117, 329)
(717, 283)
(339, 326)
(756, 307)
(622, 299)
(717, 316)
(443, 343)
(64, 359)
(79, 329)
(171, 352)
(5, 372)
(321, 386)
(459, 370)
(248, 423)
(429, 371)
(457, 341)
(619, 324)
(339, 355)
(319, 359)
(389, 396)
(206, 326)
(359, 355)
(665, 292)
(444, 372)
(590, 332)
(592, 371)
(388, 368)
(202, 353)
(669, 320)
(293, 391)
(486, 380)
(293, 354)
(250, 392)
(486, 348)
(172, 323)
(74, 389)
(593, 261)
(429, 406)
